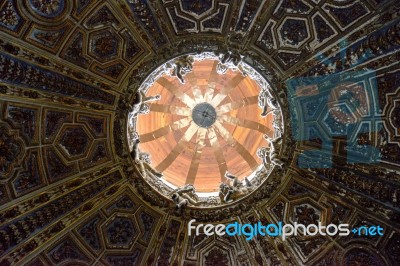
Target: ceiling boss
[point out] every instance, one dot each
(205, 129)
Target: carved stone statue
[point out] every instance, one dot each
(181, 66)
(144, 161)
(265, 100)
(179, 201)
(132, 133)
(146, 167)
(277, 123)
(235, 181)
(270, 155)
(135, 151)
(185, 195)
(229, 60)
(139, 106)
(235, 190)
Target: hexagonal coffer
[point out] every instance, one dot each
(121, 232)
(74, 142)
(104, 45)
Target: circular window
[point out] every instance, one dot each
(204, 115)
(204, 125)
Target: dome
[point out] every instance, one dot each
(204, 127)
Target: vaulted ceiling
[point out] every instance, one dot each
(68, 192)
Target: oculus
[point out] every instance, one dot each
(204, 115)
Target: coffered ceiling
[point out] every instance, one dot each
(71, 195)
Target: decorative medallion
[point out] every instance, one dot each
(48, 8)
(9, 16)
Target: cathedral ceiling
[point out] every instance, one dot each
(68, 191)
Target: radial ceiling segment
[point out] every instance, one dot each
(200, 129)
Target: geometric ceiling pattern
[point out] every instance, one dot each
(68, 192)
